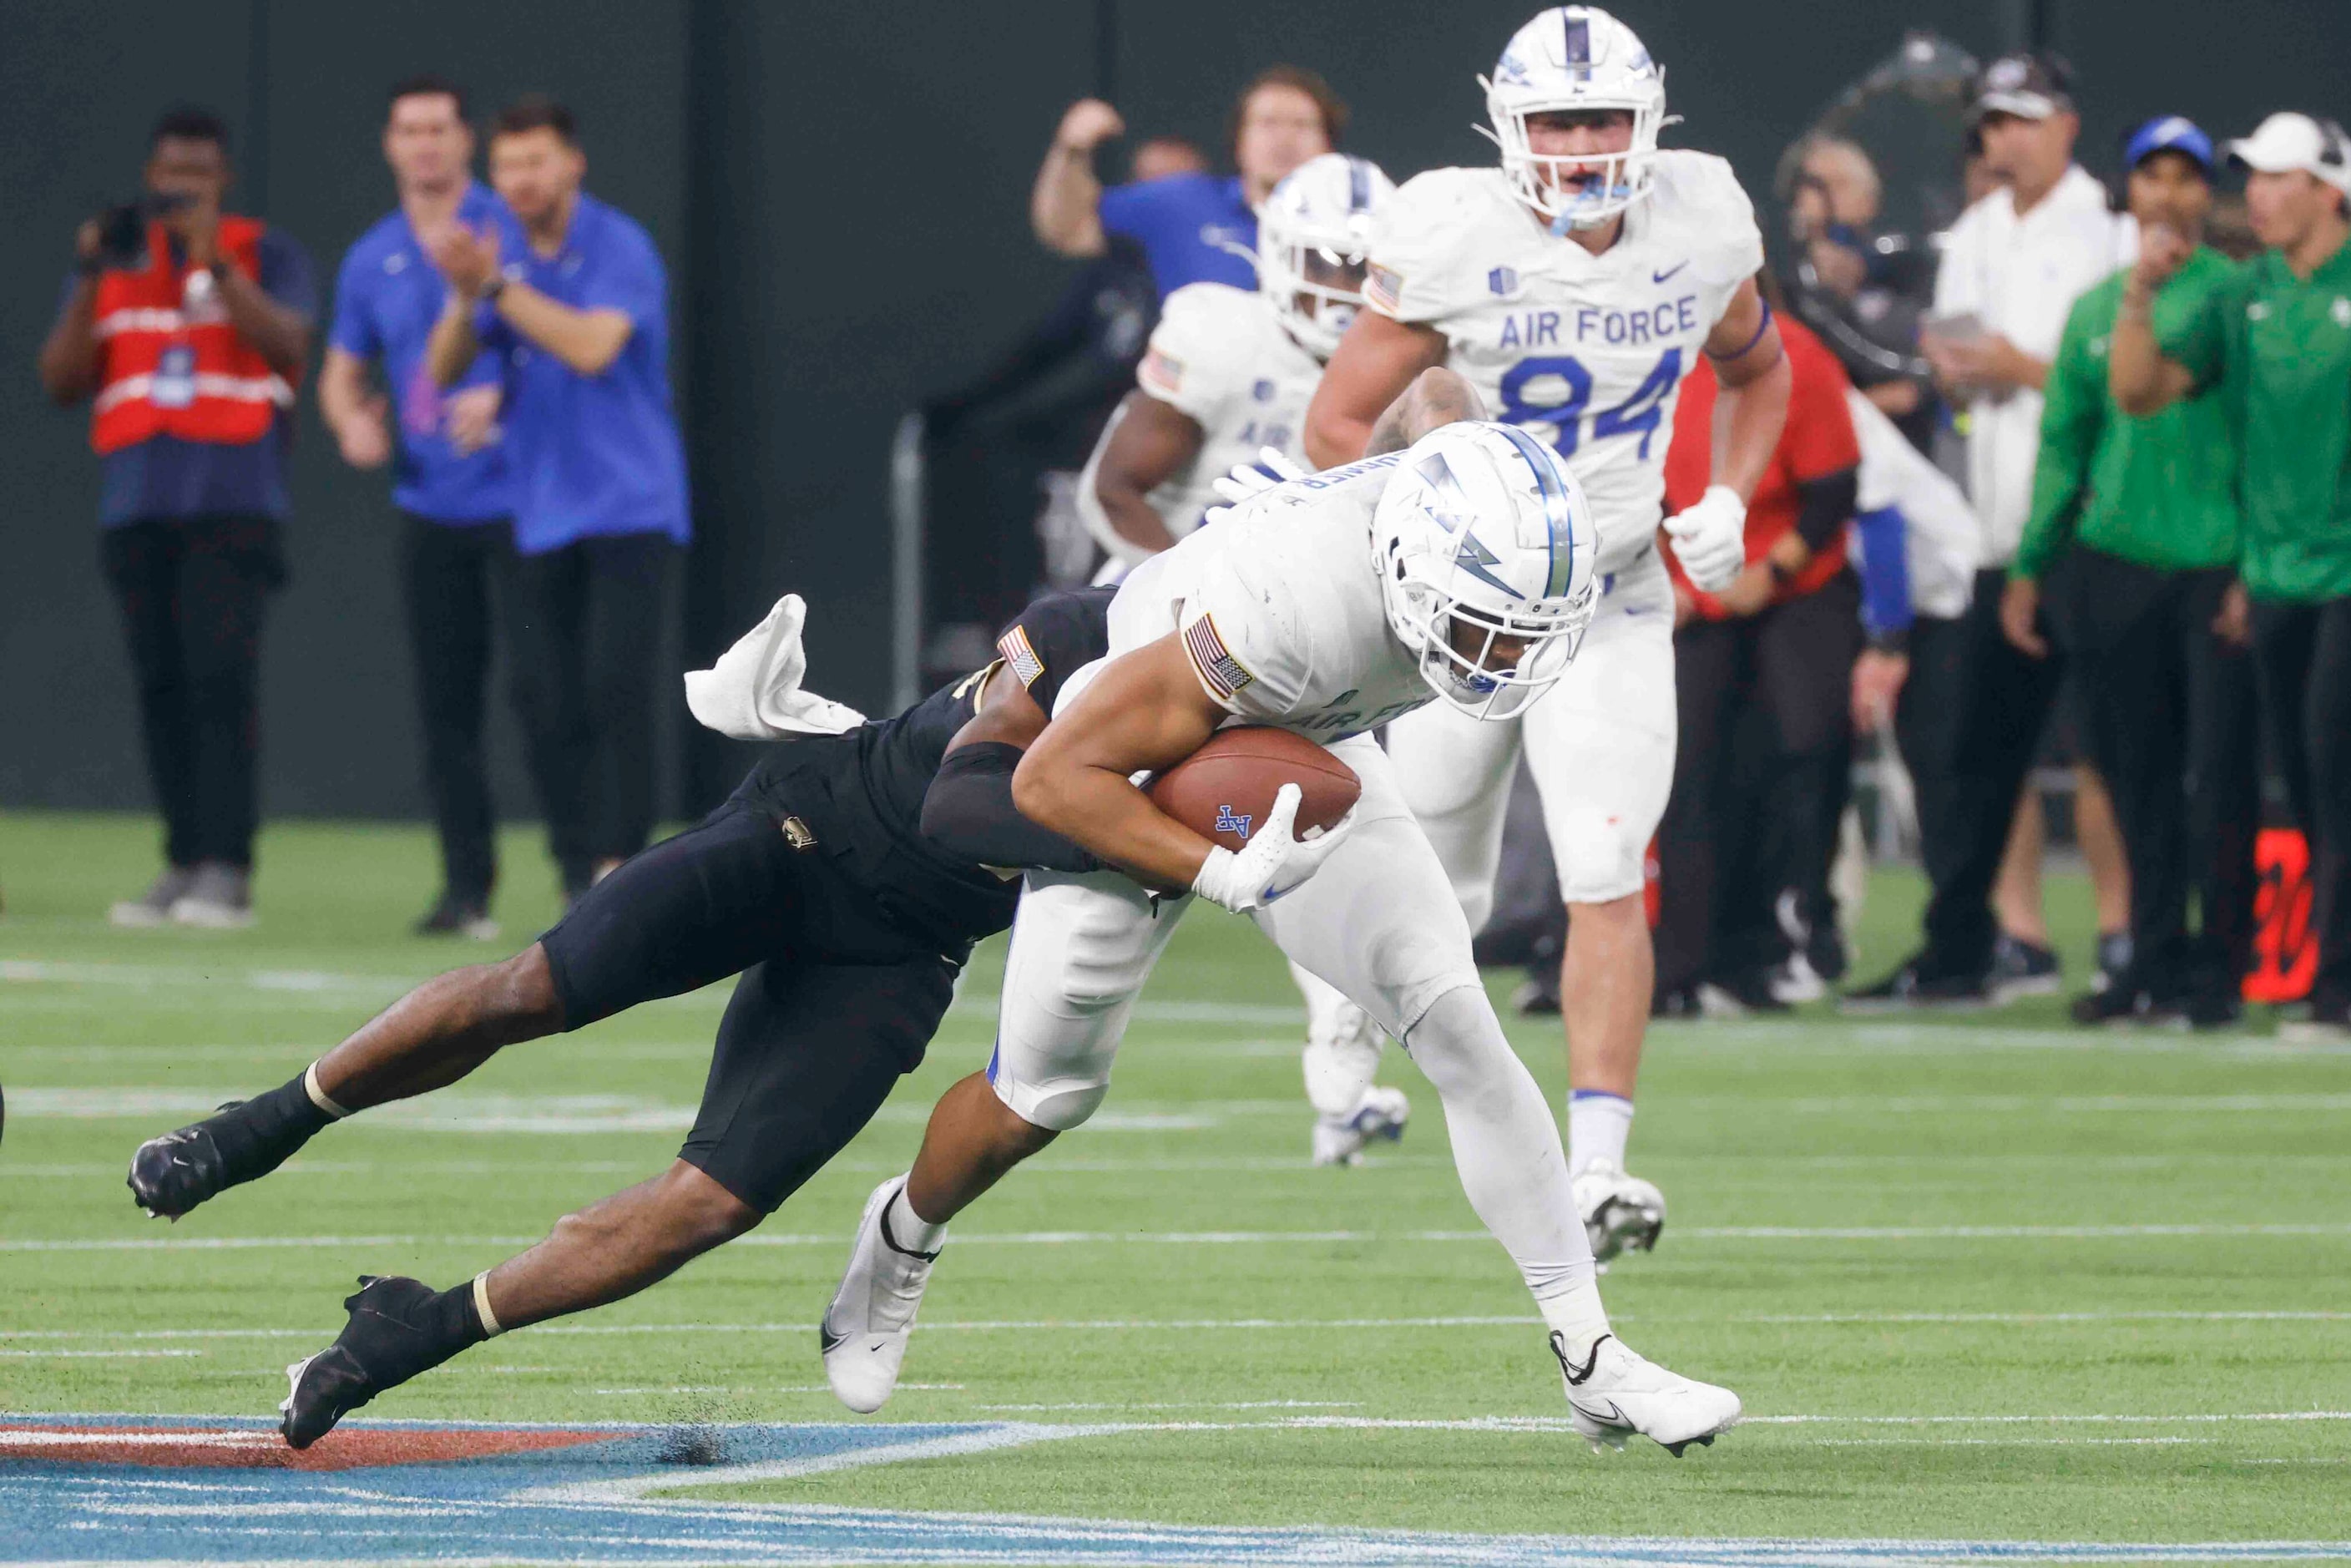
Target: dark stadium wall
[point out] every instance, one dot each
(841, 194)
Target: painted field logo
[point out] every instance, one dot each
(174, 1490)
(1230, 821)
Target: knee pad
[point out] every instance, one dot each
(1056, 1105)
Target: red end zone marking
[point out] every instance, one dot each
(183, 1447)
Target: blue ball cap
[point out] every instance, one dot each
(2168, 133)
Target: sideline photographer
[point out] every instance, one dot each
(185, 328)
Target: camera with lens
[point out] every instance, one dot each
(122, 231)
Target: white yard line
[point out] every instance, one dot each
(1218, 1238)
(1154, 1325)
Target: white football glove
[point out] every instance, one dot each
(1274, 863)
(1250, 480)
(1710, 537)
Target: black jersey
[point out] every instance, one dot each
(859, 795)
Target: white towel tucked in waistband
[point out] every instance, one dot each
(753, 693)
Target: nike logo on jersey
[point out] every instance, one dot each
(1661, 276)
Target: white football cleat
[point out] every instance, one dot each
(865, 1328)
(1618, 1210)
(1617, 1394)
(1380, 1115)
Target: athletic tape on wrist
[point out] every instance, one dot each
(319, 1095)
(490, 1328)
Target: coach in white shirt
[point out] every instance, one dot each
(2013, 267)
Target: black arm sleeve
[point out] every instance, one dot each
(1826, 504)
(968, 812)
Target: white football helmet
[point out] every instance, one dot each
(1569, 58)
(1484, 537)
(1312, 238)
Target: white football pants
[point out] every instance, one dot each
(1379, 923)
(1600, 744)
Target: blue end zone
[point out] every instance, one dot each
(595, 1501)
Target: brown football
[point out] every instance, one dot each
(1224, 790)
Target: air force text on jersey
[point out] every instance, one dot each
(1678, 322)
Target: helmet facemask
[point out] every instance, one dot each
(1544, 179)
(1453, 641)
(1315, 289)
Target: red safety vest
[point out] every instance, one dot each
(172, 366)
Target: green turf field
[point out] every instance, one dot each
(1999, 1279)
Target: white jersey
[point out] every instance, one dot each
(1280, 610)
(1221, 358)
(1587, 352)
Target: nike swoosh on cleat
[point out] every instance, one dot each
(1614, 1417)
(829, 1341)
(1661, 276)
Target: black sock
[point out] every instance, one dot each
(403, 1327)
(262, 1133)
(453, 1317)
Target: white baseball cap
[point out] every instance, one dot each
(2287, 141)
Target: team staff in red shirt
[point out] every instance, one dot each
(1778, 644)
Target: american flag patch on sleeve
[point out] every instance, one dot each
(1019, 656)
(1384, 288)
(1221, 673)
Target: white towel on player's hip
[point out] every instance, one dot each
(753, 693)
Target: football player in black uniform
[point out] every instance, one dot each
(846, 881)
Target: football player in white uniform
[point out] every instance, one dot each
(1225, 386)
(1460, 569)
(1228, 371)
(1575, 286)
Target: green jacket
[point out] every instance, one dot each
(2160, 491)
(2277, 349)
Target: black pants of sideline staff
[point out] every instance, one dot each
(2304, 656)
(451, 576)
(1718, 871)
(192, 592)
(587, 652)
(2170, 721)
(2000, 702)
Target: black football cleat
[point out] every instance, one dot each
(396, 1331)
(172, 1173)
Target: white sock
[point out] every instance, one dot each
(910, 1230)
(1598, 1122)
(1505, 1144)
(1577, 1314)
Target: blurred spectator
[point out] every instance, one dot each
(2150, 508)
(2013, 267)
(450, 479)
(1781, 641)
(579, 319)
(2274, 340)
(186, 327)
(1191, 225)
(1862, 293)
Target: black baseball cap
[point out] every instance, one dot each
(2031, 86)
